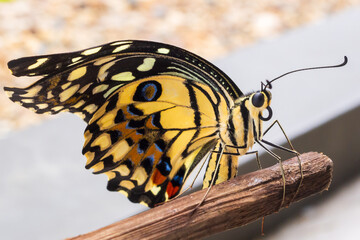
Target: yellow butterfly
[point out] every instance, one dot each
(154, 111)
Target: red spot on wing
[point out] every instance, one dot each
(171, 190)
(157, 177)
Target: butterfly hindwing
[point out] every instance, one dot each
(135, 138)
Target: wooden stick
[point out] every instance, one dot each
(231, 204)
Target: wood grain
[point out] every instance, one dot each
(231, 204)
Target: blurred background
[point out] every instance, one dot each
(47, 194)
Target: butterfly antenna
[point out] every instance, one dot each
(268, 83)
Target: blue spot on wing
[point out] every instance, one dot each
(164, 166)
(160, 145)
(179, 177)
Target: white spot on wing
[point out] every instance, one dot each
(91, 51)
(100, 88)
(111, 90)
(121, 48)
(119, 43)
(147, 65)
(75, 59)
(163, 50)
(32, 91)
(38, 63)
(123, 76)
(42, 105)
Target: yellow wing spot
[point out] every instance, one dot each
(102, 61)
(110, 175)
(121, 48)
(100, 88)
(103, 70)
(123, 76)
(75, 59)
(98, 167)
(9, 93)
(58, 108)
(118, 151)
(103, 141)
(89, 157)
(79, 104)
(127, 184)
(123, 170)
(42, 105)
(147, 65)
(166, 196)
(66, 85)
(32, 91)
(77, 73)
(91, 51)
(87, 135)
(32, 74)
(65, 95)
(126, 194)
(107, 120)
(80, 114)
(30, 100)
(139, 175)
(38, 63)
(102, 77)
(49, 95)
(111, 90)
(155, 190)
(143, 203)
(163, 50)
(90, 108)
(84, 88)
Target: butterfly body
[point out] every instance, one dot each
(154, 111)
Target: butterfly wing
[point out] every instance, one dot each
(80, 82)
(151, 133)
(144, 103)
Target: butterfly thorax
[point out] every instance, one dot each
(245, 121)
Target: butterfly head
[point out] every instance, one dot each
(258, 102)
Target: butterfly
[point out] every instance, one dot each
(154, 112)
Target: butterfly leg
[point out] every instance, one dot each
(221, 150)
(257, 158)
(291, 150)
(260, 167)
(281, 169)
(192, 183)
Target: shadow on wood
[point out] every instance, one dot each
(230, 204)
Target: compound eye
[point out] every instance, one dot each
(258, 99)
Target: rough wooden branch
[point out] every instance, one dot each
(228, 205)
